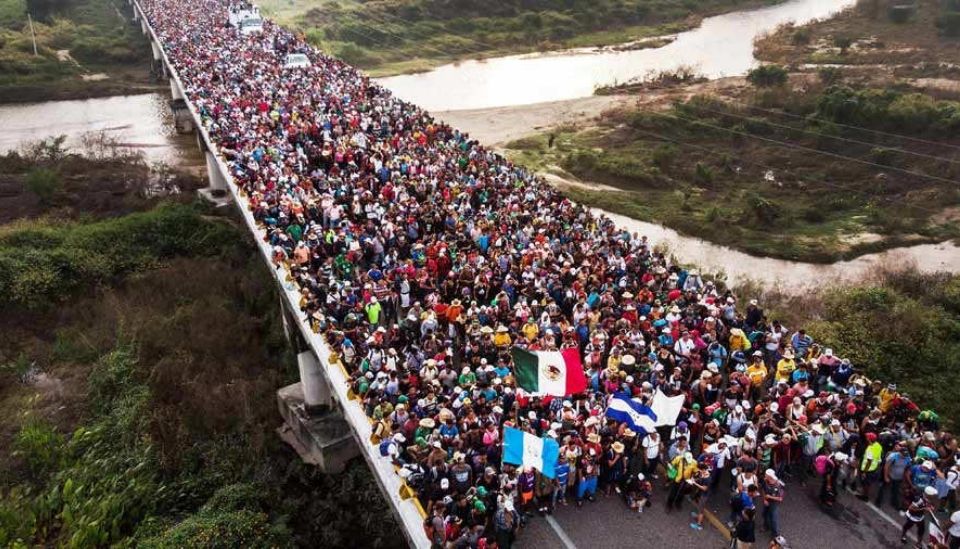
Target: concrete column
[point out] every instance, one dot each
(136, 13)
(143, 25)
(316, 391)
(217, 179)
(175, 90)
(156, 51)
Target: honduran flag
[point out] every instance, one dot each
(522, 448)
(557, 373)
(638, 417)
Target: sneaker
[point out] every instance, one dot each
(696, 526)
(693, 514)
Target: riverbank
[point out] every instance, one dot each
(749, 169)
(85, 49)
(920, 40)
(409, 36)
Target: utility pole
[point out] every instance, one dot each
(33, 35)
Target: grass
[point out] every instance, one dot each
(704, 168)
(399, 36)
(99, 39)
(917, 44)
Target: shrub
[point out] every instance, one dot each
(800, 36)
(767, 76)
(44, 183)
(830, 75)
(40, 447)
(703, 174)
(949, 24)
(70, 257)
(663, 155)
(843, 42)
(901, 13)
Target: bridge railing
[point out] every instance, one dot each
(402, 500)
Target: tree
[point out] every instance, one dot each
(842, 42)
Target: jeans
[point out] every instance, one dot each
(771, 518)
(586, 486)
(560, 494)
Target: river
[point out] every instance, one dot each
(790, 276)
(723, 45)
(140, 122)
(720, 46)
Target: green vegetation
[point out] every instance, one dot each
(786, 175)
(133, 413)
(916, 38)
(41, 264)
(389, 36)
(75, 38)
(767, 76)
(902, 327)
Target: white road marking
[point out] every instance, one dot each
(567, 542)
(883, 514)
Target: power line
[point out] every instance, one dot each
(812, 150)
(767, 167)
(818, 134)
(850, 126)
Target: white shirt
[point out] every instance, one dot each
(955, 524)
(652, 447)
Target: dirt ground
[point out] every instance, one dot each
(498, 126)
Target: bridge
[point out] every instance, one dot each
(323, 420)
(328, 426)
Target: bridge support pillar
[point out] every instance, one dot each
(156, 51)
(175, 90)
(143, 25)
(312, 423)
(182, 120)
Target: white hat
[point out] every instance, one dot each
(770, 473)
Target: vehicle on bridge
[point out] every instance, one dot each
(236, 15)
(296, 61)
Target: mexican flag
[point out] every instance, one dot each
(557, 373)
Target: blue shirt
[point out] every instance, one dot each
(562, 471)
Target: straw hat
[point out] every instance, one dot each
(428, 423)
(617, 447)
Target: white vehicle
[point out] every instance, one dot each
(235, 16)
(296, 61)
(251, 25)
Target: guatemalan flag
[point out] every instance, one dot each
(638, 417)
(522, 448)
(557, 373)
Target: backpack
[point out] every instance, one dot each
(820, 464)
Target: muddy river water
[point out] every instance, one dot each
(720, 46)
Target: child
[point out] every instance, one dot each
(638, 491)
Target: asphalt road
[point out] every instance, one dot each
(607, 523)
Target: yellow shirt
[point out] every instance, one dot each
(685, 469)
(784, 368)
(757, 372)
(530, 331)
(501, 339)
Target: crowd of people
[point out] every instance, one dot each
(424, 257)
